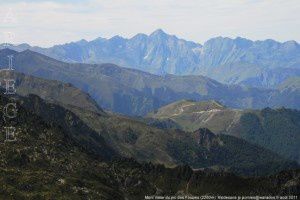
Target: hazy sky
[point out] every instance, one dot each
(49, 22)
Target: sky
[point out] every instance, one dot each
(49, 22)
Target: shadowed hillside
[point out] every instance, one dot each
(131, 138)
(49, 162)
(51, 90)
(274, 129)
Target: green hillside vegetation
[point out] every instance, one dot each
(171, 147)
(192, 115)
(275, 129)
(48, 162)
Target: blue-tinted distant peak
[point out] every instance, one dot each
(158, 32)
(241, 39)
(100, 38)
(238, 41)
(216, 40)
(117, 38)
(139, 36)
(7, 52)
(291, 43)
(83, 41)
(243, 42)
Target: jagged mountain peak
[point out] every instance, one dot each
(291, 45)
(158, 32)
(160, 35)
(117, 38)
(139, 36)
(206, 138)
(82, 42)
(269, 41)
(238, 41)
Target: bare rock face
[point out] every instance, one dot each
(206, 138)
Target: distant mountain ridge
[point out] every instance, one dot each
(51, 90)
(235, 61)
(133, 92)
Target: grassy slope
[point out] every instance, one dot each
(145, 143)
(274, 129)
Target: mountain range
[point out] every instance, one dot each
(111, 135)
(241, 61)
(133, 92)
(154, 114)
(69, 147)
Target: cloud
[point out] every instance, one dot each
(48, 22)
